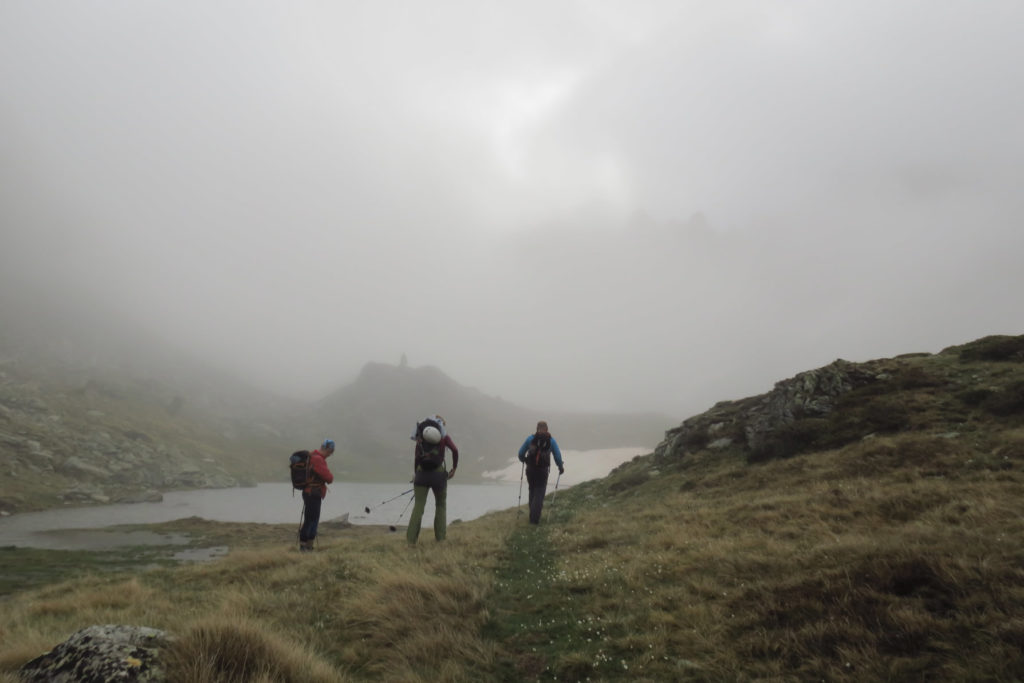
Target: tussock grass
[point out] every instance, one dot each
(798, 568)
(890, 554)
(237, 649)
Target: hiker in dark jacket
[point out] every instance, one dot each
(314, 494)
(536, 452)
(429, 466)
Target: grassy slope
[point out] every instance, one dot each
(130, 416)
(892, 557)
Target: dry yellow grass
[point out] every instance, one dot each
(234, 648)
(895, 557)
(787, 569)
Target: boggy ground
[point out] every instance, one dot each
(893, 556)
(193, 539)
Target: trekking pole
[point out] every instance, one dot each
(519, 511)
(555, 494)
(394, 526)
(368, 508)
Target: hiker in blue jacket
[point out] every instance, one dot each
(536, 452)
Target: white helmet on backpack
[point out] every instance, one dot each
(432, 434)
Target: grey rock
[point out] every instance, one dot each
(809, 394)
(81, 493)
(36, 404)
(99, 654)
(9, 440)
(340, 520)
(77, 467)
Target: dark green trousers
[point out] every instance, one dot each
(425, 481)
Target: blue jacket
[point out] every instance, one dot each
(554, 450)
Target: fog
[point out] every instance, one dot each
(573, 205)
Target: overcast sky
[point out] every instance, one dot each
(576, 205)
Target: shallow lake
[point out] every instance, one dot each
(274, 503)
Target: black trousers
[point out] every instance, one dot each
(537, 478)
(311, 503)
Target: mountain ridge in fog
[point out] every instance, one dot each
(94, 409)
(375, 415)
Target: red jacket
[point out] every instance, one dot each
(321, 474)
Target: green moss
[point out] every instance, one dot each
(1008, 401)
(25, 568)
(1000, 348)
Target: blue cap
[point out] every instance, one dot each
(328, 443)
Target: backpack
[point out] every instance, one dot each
(302, 470)
(539, 452)
(431, 454)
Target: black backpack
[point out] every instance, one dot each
(302, 470)
(539, 452)
(431, 455)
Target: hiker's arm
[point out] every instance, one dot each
(522, 449)
(556, 452)
(455, 454)
(322, 471)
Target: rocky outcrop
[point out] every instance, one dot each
(809, 394)
(60, 451)
(752, 421)
(99, 654)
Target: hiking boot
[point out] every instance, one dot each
(305, 546)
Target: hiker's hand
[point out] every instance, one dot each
(451, 473)
(561, 470)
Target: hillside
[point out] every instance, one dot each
(95, 410)
(859, 521)
(102, 437)
(374, 415)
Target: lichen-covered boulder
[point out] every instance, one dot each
(808, 394)
(103, 654)
(752, 421)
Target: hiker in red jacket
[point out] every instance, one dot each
(313, 495)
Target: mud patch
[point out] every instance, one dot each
(99, 539)
(201, 554)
